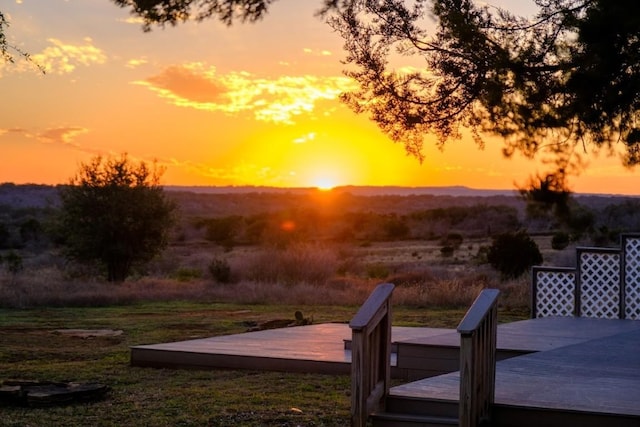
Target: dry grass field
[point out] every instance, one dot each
(285, 248)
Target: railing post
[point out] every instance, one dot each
(478, 333)
(371, 354)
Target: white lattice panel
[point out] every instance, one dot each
(600, 284)
(555, 293)
(632, 277)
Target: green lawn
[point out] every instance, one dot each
(32, 350)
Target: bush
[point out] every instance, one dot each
(220, 270)
(14, 262)
(447, 251)
(453, 239)
(378, 271)
(513, 253)
(560, 240)
(185, 274)
(5, 236)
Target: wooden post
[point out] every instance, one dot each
(478, 332)
(370, 355)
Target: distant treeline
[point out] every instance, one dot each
(27, 211)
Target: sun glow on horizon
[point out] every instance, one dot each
(325, 184)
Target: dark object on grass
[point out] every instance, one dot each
(48, 393)
(300, 320)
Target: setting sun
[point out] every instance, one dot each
(325, 184)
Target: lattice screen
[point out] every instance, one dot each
(599, 284)
(555, 292)
(632, 276)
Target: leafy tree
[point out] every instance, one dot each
(114, 212)
(513, 253)
(567, 79)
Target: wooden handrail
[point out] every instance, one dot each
(371, 354)
(478, 330)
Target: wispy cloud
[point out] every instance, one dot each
(133, 20)
(313, 52)
(136, 62)
(305, 138)
(243, 173)
(63, 58)
(59, 58)
(61, 135)
(199, 86)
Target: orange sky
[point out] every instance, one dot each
(247, 105)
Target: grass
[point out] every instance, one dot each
(31, 349)
(177, 299)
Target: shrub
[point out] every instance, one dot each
(220, 270)
(453, 239)
(185, 274)
(4, 236)
(513, 253)
(296, 264)
(395, 228)
(14, 262)
(223, 230)
(447, 251)
(560, 240)
(377, 271)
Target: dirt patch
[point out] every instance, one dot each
(46, 393)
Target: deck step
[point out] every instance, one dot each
(422, 406)
(393, 419)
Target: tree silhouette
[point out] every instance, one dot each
(567, 80)
(115, 213)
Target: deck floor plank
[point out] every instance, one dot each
(600, 375)
(312, 348)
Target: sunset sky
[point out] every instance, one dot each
(253, 104)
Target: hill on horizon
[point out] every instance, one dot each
(356, 190)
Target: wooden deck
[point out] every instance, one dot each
(579, 371)
(553, 371)
(323, 348)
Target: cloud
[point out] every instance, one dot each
(15, 131)
(135, 63)
(187, 83)
(305, 138)
(199, 86)
(64, 58)
(133, 20)
(61, 135)
(309, 51)
(242, 174)
(57, 135)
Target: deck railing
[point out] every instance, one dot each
(478, 359)
(370, 355)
